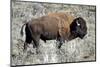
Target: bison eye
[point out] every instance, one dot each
(78, 24)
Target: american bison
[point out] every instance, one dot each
(58, 26)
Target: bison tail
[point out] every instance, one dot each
(21, 32)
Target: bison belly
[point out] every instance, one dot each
(48, 36)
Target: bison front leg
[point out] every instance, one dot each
(60, 41)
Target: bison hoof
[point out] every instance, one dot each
(59, 46)
(38, 51)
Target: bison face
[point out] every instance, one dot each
(78, 27)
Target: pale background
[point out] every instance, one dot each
(5, 33)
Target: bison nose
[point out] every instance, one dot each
(82, 36)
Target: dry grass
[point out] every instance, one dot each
(72, 51)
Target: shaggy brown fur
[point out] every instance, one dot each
(59, 26)
(64, 21)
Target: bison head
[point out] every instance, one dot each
(78, 27)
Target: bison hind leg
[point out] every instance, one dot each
(25, 47)
(36, 39)
(27, 41)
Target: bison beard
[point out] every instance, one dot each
(59, 26)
